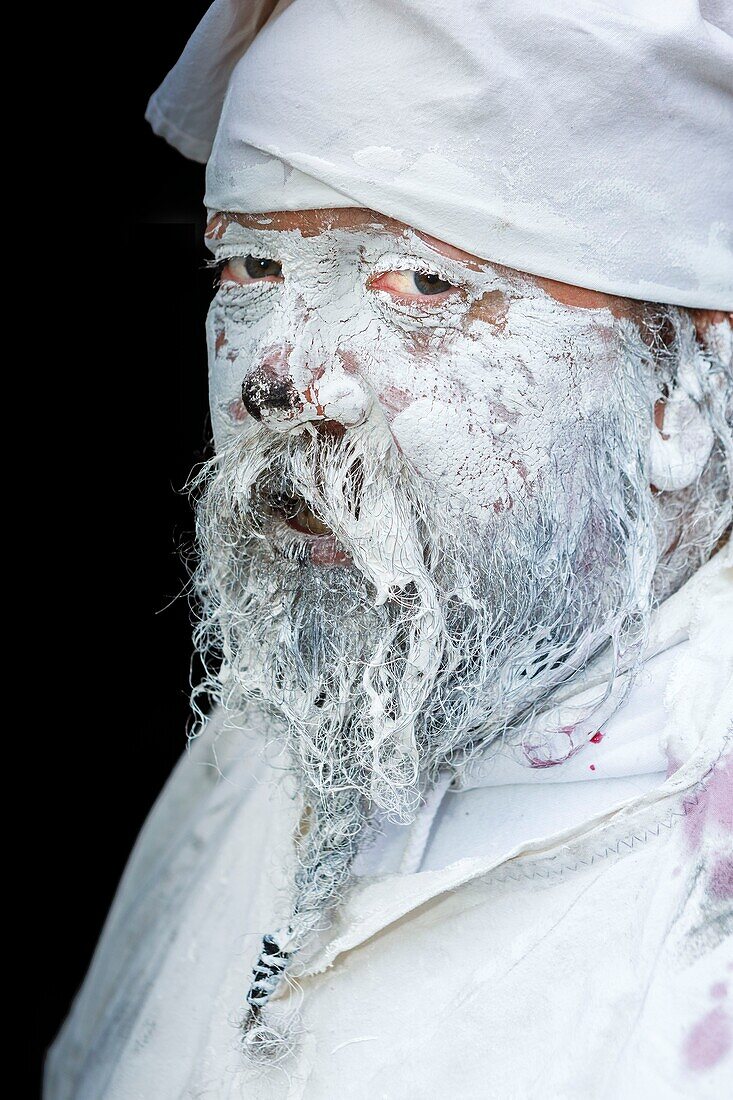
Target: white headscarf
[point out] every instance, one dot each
(588, 141)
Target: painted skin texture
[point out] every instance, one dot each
(479, 385)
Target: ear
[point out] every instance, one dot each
(682, 440)
(682, 437)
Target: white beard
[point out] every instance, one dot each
(444, 632)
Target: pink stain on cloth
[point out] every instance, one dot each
(709, 1041)
(553, 750)
(714, 806)
(720, 882)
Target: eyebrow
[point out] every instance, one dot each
(220, 221)
(450, 251)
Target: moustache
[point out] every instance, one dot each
(332, 499)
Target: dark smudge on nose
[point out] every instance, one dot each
(262, 392)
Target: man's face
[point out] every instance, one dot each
(480, 375)
(430, 501)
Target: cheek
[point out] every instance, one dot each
(449, 423)
(228, 350)
(467, 457)
(490, 421)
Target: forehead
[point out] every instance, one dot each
(312, 223)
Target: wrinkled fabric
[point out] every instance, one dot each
(585, 953)
(582, 141)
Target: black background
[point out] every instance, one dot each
(113, 691)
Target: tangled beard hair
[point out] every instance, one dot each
(445, 633)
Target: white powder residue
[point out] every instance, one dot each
(380, 158)
(478, 405)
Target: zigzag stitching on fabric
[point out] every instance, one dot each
(689, 803)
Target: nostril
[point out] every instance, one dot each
(262, 392)
(330, 427)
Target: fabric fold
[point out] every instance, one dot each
(578, 141)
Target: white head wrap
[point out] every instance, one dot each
(587, 141)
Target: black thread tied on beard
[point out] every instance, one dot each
(266, 975)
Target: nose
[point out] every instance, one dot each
(263, 393)
(335, 394)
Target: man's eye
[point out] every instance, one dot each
(412, 284)
(245, 269)
(428, 283)
(260, 267)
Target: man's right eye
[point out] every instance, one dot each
(248, 269)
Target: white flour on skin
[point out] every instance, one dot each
(475, 406)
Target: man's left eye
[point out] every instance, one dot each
(412, 284)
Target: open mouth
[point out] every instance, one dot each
(301, 518)
(316, 538)
(289, 510)
(322, 546)
(294, 510)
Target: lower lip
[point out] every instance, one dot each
(324, 549)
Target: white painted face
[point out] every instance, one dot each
(480, 376)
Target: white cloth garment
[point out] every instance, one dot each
(551, 933)
(581, 140)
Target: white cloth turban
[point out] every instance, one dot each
(589, 141)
